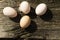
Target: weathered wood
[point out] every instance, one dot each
(42, 27)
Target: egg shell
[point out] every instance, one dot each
(10, 12)
(24, 7)
(41, 9)
(25, 21)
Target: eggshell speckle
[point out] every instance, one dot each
(41, 9)
(10, 12)
(25, 21)
(24, 7)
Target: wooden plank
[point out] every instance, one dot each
(47, 25)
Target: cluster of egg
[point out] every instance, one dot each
(24, 7)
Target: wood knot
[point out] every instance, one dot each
(1, 0)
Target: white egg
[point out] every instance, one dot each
(25, 21)
(10, 12)
(24, 7)
(41, 9)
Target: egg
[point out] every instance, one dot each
(41, 9)
(24, 7)
(25, 21)
(10, 12)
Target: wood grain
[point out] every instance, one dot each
(46, 26)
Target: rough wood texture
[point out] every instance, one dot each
(42, 27)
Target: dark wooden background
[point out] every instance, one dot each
(46, 27)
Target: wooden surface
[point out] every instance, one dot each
(42, 27)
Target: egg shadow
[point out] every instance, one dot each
(32, 28)
(32, 13)
(17, 18)
(47, 16)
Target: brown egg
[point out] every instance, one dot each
(25, 21)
